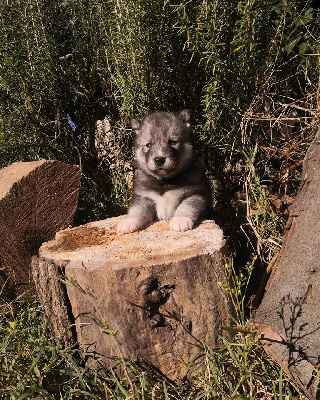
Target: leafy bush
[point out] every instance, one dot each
(243, 67)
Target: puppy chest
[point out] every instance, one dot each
(166, 206)
(167, 203)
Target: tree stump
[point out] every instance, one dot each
(37, 199)
(289, 315)
(152, 296)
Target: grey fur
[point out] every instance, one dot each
(169, 182)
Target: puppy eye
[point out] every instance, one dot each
(172, 142)
(149, 145)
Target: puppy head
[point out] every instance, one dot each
(164, 143)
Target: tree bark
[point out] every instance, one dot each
(37, 199)
(289, 315)
(154, 296)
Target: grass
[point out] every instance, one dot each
(34, 366)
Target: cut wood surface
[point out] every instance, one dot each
(153, 296)
(37, 199)
(289, 315)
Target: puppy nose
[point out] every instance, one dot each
(159, 161)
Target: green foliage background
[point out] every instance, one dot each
(66, 64)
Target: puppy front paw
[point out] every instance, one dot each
(181, 224)
(128, 225)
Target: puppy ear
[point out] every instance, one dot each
(136, 125)
(185, 116)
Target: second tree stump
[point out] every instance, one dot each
(37, 199)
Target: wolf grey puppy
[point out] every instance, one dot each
(169, 183)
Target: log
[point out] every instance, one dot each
(151, 296)
(289, 315)
(37, 199)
